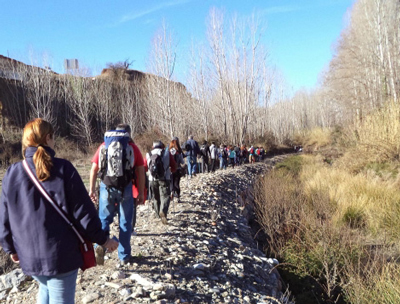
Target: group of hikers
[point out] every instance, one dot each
(211, 157)
(46, 247)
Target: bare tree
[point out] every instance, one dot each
(162, 102)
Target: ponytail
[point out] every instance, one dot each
(43, 163)
(35, 133)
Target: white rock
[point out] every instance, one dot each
(118, 275)
(158, 286)
(200, 266)
(140, 280)
(113, 285)
(125, 292)
(273, 261)
(91, 298)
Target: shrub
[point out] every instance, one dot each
(354, 217)
(291, 165)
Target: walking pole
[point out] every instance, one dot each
(173, 205)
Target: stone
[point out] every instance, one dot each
(140, 280)
(90, 298)
(125, 292)
(118, 275)
(113, 285)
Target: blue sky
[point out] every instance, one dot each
(299, 34)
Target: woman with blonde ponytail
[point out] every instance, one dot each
(32, 231)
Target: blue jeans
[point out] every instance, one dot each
(222, 163)
(57, 289)
(192, 164)
(114, 201)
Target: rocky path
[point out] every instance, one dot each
(206, 253)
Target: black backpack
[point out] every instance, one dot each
(188, 147)
(224, 154)
(156, 166)
(203, 151)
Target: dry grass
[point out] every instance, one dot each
(335, 226)
(314, 139)
(371, 202)
(376, 283)
(377, 135)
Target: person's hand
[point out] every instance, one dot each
(92, 195)
(14, 258)
(140, 199)
(111, 245)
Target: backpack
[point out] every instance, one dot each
(251, 151)
(203, 150)
(224, 154)
(116, 159)
(188, 147)
(156, 165)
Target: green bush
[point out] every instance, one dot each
(291, 165)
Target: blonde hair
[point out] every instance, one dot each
(35, 133)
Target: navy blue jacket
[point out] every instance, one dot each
(30, 226)
(195, 148)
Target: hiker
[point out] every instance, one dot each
(192, 150)
(252, 157)
(243, 154)
(205, 156)
(237, 152)
(161, 164)
(214, 156)
(32, 232)
(262, 153)
(223, 157)
(116, 186)
(177, 153)
(231, 156)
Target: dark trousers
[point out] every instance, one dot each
(175, 187)
(204, 165)
(161, 196)
(214, 164)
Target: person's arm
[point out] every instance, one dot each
(140, 178)
(6, 239)
(140, 173)
(92, 182)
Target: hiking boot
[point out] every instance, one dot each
(163, 218)
(127, 261)
(100, 253)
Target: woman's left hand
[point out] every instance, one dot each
(14, 258)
